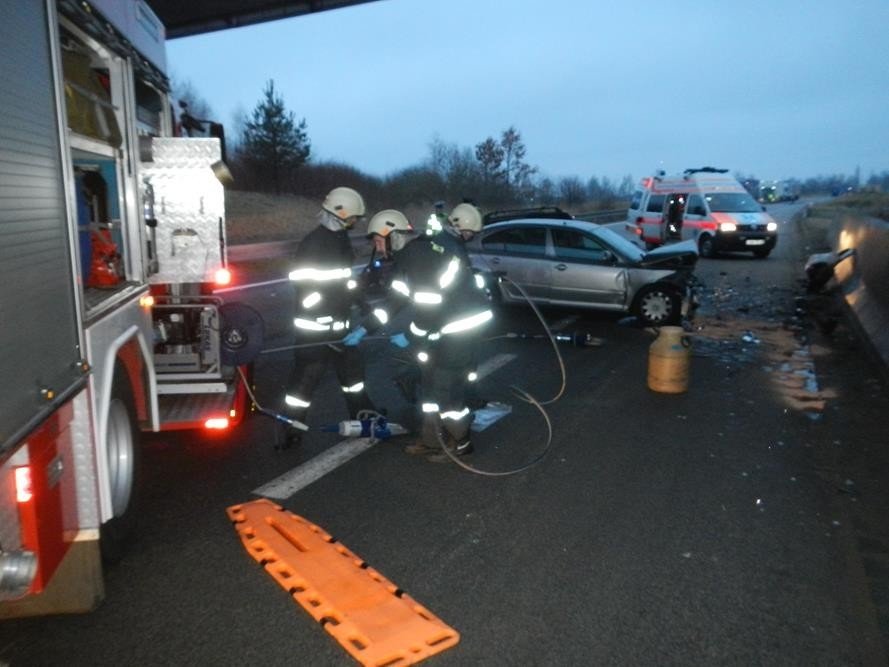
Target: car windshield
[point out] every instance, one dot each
(627, 250)
(732, 202)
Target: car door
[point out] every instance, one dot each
(519, 254)
(695, 214)
(652, 219)
(585, 272)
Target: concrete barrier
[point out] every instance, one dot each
(864, 277)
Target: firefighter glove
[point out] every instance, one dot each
(354, 337)
(399, 340)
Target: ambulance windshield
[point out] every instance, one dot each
(732, 202)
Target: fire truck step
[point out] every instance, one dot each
(182, 411)
(373, 619)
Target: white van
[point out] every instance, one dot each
(706, 205)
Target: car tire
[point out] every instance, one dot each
(706, 246)
(658, 305)
(123, 453)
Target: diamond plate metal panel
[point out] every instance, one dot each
(189, 204)
(81, 481)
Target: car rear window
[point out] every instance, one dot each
(524, 241)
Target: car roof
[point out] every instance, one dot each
(543, 212)
(582, 225)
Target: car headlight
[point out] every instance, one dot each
(728, 227)
(772, 227)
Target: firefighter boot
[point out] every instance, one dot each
(456, 440)
(428, 441)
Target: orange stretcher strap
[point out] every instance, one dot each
(373, 619)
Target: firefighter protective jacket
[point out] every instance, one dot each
(433, 273)
(326, 290)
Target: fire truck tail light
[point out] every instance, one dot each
(24, 489)
(146, 301)
(223, 277)
(216, 423)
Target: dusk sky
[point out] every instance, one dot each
(773, 89)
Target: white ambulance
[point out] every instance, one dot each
(706, 205)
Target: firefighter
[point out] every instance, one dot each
(449, 312)
(326, 293)
(388, 231)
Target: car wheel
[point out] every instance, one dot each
(761, 254)
(657, 305)
(124, 469)
(706, 246)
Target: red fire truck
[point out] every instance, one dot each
(112, 237)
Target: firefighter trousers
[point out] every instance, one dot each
(310, 366)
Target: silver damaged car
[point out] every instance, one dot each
(577, 264)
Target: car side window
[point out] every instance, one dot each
(572, 245)
(695, 205)
(517, 241)
(655, 203)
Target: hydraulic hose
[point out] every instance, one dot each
(552, 341)
(528, 398)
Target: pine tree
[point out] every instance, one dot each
(273, 144)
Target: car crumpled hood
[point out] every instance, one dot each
(682, 255)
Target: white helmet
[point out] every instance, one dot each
(344, 203)
(388, 221)
(466, 218)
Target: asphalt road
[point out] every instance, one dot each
(740, 523)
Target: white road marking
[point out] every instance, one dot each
(286, 485)
(490, 365)
(281, 488)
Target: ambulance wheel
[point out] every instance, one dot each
(657, 306)
(706, 246)
(123, 459)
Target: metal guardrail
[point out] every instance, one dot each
(601, 217)
(254, 251)
(247, 252)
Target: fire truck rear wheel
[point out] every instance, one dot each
(123, 459)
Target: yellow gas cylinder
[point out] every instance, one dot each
(668, 361)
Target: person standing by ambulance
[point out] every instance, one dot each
(326, 293)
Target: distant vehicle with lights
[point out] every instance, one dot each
(773, 192)
(705, 205)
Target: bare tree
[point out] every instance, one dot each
(518, 172)
(571, 191)
(490, 156)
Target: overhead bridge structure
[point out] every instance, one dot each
(194, 17)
